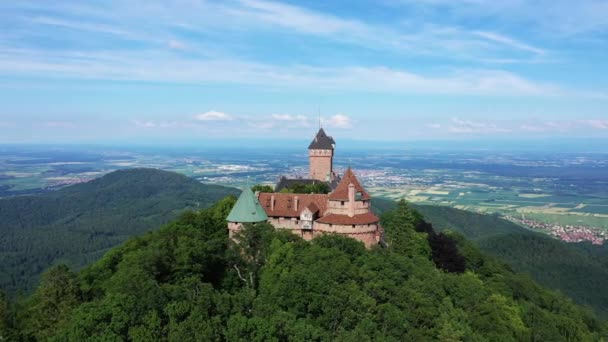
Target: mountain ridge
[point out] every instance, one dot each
(78, 223)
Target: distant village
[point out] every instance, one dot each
(567, 233)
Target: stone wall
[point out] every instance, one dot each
(368, 234)
(321, 164)
(337, 207)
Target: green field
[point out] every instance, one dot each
(562, 209)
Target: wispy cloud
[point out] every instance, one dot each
(545, 17)
(598, 124)
(480, 127)
(338, 121)
(213, 115)
(130, 66)
(154, 25)
(545, 127)
(509, 41)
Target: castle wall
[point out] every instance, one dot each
(285, 223)
(369, 234)
(234, 228)
(341, 207)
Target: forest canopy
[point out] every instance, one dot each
(188, 281)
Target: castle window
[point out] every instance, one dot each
(353, 226)
(342, 203)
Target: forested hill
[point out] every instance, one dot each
(577, 270)
(188, 282)
(79, 223)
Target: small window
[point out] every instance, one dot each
(342, 203)
(353, 226)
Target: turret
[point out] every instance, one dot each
(247, 209)
(321, 156)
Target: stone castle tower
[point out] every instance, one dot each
(321, 157)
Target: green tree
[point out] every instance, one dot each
(250, 247)
(4, 316)
(262, 188)
(315, 188)
(400, 225)
(52, 303)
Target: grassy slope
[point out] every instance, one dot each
(577, 270)
(79, 223)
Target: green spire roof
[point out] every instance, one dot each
(247, 208)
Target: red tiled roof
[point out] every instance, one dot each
(284, 203)
(367, 218)
(341, 191)
(313, 207)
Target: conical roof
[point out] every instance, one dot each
(341, 191)
(247, 208)
(322, 141)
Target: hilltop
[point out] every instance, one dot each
(78, 224)
(187, 281)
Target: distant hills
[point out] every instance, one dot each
(79, 223)
(579, 270)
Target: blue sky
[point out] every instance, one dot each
(95, 71)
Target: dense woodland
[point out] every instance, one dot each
(187, 281)
(78, 224)
(579, 270)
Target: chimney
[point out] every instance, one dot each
(351, 200)
(296, 201)
(272, 203)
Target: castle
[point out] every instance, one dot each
(346, 210)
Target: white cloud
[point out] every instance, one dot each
(213, 115)
(279, 121)
(545, 17)
(151, 25)
(480, 127)
(122, 65)
(532, 127)
(597, 124)
(289, 117)
(145, 124)
(338, 121)
(509, 41)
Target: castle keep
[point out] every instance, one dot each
(346, 210)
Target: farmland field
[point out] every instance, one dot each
(555, 188)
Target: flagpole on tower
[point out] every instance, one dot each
(319, 113)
